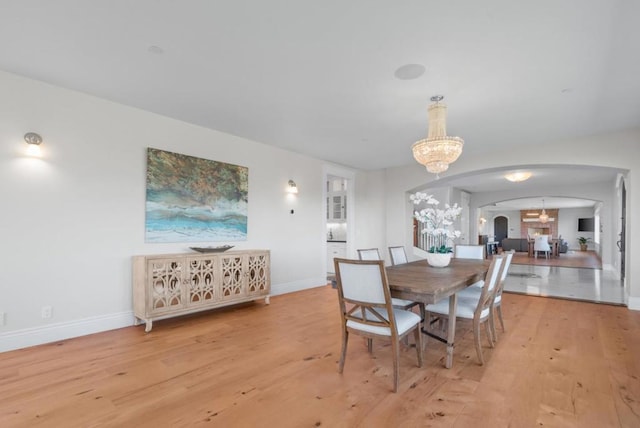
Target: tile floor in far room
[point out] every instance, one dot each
(594, 285)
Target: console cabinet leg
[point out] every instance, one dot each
(149, 326)
(266, 300)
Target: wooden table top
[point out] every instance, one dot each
(420, 282)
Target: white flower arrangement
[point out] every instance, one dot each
(437, 222)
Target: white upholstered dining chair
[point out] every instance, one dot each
(469, 252)
(541, 243)
(474, 292)
(374, 254)
(477, 309)
(398, 255)
(475, 252)
(369, 254)
(366, 310)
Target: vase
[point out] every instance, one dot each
(439, 259)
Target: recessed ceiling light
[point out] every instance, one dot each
(156, 50)
(410, 71)
(567, 90)
(517, 176)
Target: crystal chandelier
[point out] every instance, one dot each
(438, 150)
(544, 217)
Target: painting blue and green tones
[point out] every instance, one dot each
(192, 199)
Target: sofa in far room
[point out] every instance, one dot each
(563, 246)
(518, 244)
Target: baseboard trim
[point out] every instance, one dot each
(303, 284)
(64, 330)
(634, 303)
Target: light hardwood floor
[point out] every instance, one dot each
(560, 363)
(575, 259)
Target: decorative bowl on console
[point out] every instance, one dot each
(219, 249)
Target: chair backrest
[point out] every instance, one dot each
(398, 256)
(369, 254)
(363, 285)
(489, 287)
(508, 256)
(469, 252)
(542, 243)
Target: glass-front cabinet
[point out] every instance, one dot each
(336, 200)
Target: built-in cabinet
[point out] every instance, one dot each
(336, 200)
(169, 285)
(335, 249)
(337, 207)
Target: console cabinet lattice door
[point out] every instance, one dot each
(166, 285)
(257, 274)
(170, 285)
(201, 279)
(233, 276)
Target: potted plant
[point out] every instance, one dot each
(437, 224)
(583, 243)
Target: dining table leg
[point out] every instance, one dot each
(451, 331)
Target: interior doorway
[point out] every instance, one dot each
(500, 229)
(339, 214)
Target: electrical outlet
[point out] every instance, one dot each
(46, 312)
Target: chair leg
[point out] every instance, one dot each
(490, 337)
(370, 345)
(405, 341)
(343, 355)
(492, 323)
(499, 311)
(395, 349)
(418, 339)
(476, 339)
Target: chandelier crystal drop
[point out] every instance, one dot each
(438, 150)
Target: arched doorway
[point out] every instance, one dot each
(500, 229)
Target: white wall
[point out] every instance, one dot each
(617, 150)
(370, 213)
(568, 227)
(71, 221)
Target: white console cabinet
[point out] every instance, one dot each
(169, 285)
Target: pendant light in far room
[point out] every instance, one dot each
(544, 217)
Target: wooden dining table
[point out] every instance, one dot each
(420, 282)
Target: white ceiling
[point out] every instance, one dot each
(318, 77)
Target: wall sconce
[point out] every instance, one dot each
(292, 188)
(33, 141)
(482, 221)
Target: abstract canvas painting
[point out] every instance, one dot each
(191, 199)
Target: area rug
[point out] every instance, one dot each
(576, 259)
